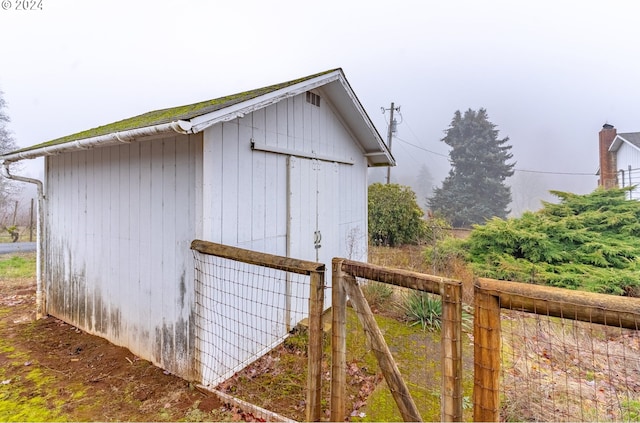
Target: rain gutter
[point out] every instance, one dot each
(40, 309)
(127, 136)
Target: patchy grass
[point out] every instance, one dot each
(277, 381)
(563, 370)
(416, 353)
(17, 266)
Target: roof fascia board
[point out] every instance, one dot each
(241, 109)
(122, 137)
(618, 141)
(365, 118)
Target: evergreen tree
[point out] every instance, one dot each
(475, 188)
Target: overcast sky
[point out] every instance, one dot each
(549, 73)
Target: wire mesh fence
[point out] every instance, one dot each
(374, 336)
(243, 311)
(565, 370)
(247, 305)
(546, 354)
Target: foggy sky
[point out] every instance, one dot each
(549, 73)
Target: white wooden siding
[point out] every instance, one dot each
(274, 202)
(120, 219)
(245, 191)
(119, 222)
(629, 156)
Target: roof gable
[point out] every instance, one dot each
(193, 118)
(631, 138)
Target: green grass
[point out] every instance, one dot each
(416, 353)
(18, 266)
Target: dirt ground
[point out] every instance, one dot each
(51, 371)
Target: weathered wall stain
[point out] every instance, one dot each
(119, 224)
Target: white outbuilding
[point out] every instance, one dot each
(271, 170)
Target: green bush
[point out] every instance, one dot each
(394, 215)
(445, 252)
(588, 242)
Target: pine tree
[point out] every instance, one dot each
(475, 189)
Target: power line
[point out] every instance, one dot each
(515, 169)
(447, 156)
(555, 173)
(422, 148)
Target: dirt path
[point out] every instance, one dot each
(51, 371)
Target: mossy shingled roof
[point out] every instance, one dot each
(162, 116)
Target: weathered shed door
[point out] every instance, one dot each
(313, 211)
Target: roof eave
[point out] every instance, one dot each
(202, 122)
(361, 126)
(121, 137)
(366, 134)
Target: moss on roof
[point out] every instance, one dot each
(159, 117)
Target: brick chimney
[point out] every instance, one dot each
(608, 167)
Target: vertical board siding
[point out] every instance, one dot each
(120, 219)
(245, 191)
(627, 156)
(119, 224)
(245, 209)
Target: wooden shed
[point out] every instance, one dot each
(266, 170)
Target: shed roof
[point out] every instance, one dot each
(193, 118)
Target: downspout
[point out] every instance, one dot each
(40, 309)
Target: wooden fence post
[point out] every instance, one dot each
(451, 341)
(388, 366)
(338, 343)
(486, 353)
(314, 377)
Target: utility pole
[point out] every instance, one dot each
(390, 132)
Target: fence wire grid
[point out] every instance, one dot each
(406, 327)
(559, 369)
(243, 311)
(416, 351)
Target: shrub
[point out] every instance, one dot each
(394, 215)
(424, 309)
(377, 294)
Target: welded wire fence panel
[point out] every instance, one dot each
(545, 353)
(564, 370)
(243, 311)
(403, 344)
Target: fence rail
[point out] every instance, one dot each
(539, 353)
(565, 359)
(220, 284)
(345, 284)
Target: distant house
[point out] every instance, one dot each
(619, 159)
(264, 170)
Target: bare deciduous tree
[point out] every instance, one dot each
(7, 143)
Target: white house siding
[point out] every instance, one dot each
(274, 202)
(119, 224)
(247, 193)
(629, 156)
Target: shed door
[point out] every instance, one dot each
(313, 211)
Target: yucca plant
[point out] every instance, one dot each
(421, 308)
